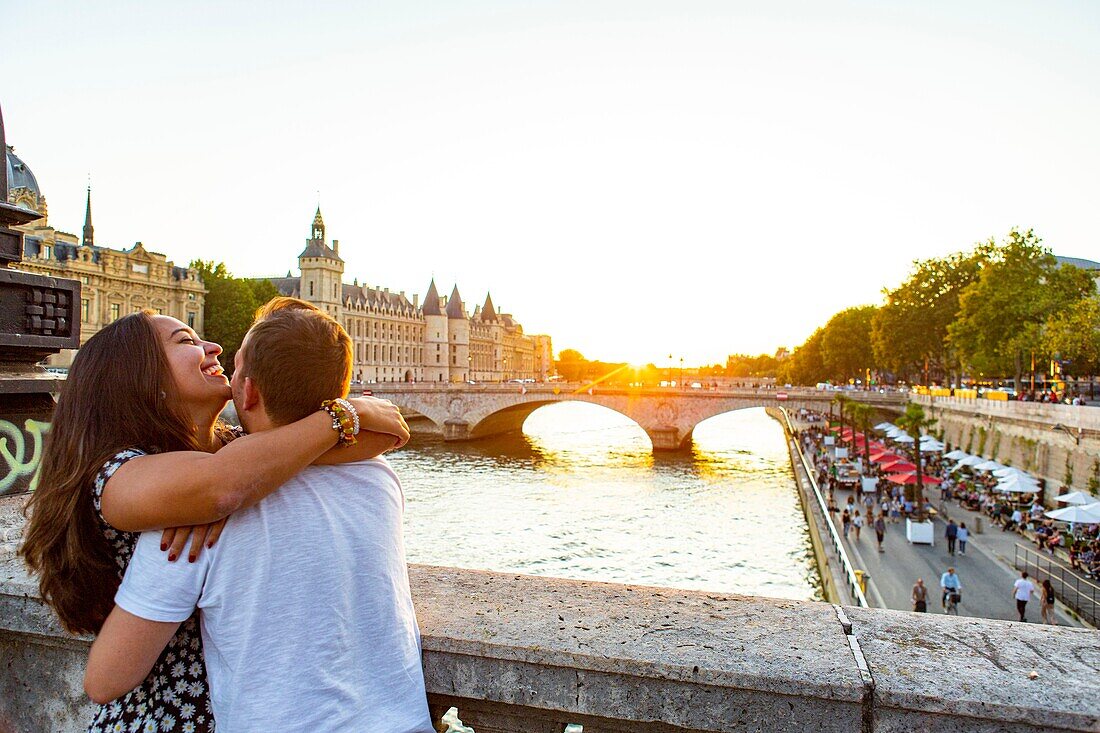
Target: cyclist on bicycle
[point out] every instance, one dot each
(950, 583)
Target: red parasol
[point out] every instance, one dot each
(911, 478)
(899, 466)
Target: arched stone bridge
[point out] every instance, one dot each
(668, 415)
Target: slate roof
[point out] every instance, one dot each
(431, 301)
(488, 312)
(376, 297)
(19, 175)
(454, 305)
(1078, 262)
(317, 248)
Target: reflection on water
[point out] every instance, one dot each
(580, 495)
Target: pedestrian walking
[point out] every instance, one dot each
(920, 596)
(880, 531)
(950, 583)
(845, 522)
(857, 523)
(1021, 591)
(963, 536)
(1047, 603)
(951, 533)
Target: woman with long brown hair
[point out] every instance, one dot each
(135, 445)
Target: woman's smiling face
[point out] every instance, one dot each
(199, 377)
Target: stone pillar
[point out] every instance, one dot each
(39, 316)
(669, 438)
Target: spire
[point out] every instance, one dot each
(318, 226)
(431, 301)
(488, 312)
(89, 239)
(454, 305)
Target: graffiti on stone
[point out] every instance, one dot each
(20, 454)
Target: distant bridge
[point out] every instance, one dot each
(668, 415)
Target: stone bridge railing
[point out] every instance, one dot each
(523, 653)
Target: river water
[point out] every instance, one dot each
(580, 495)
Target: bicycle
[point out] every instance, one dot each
(952, 603)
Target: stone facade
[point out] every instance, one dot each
(399, 340)
(114, 282)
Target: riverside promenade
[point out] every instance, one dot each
(985, 571)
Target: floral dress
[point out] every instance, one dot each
(174, 697)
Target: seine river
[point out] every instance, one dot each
(581, 495)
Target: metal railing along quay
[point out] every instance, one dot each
(1075, 591)
(849, 572)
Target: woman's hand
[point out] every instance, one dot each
(381, 416)
(174, 539)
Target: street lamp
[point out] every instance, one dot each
(681, 372)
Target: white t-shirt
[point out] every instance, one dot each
(1023, 589)
(307, 619)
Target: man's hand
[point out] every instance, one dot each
(381, 416)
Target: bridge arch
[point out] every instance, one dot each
(668, 417)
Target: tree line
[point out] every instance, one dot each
(987, 313)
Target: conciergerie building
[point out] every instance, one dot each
(395, 339)
(398, 340)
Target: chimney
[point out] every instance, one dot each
(336, 246)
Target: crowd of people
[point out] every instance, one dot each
(881, 502)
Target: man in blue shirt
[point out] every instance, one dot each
(949, 583)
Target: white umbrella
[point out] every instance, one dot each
(956, 454)
(1077, 497)
(885, 426)
(1017, 486)
(1006, 471)
(903, 438)
(988, 466)
(970, 461)
(1077, 514)
(931, 447)
(928, 439)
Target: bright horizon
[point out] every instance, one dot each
(635, 179)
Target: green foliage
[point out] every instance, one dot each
(1073, 334)
(230, 305)
(910, 330)
(805, 365)
(1002, 313)
(743, 365)
(846, 351)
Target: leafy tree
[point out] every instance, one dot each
(861, 417)
(909, 332)
(1073, 335)
(804, 365)
(846, 343)
(1002, 313)
(230, 304)
(914, 422)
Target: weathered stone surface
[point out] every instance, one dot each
(700, 661)
(939, 673)
(521, 653)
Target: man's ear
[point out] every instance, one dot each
(250, 395)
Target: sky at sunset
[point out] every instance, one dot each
(637, 179)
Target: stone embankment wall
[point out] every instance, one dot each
(1060, 443)
(521, 653)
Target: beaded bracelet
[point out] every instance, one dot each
(345, 421)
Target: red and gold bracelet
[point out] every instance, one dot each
(345, 420)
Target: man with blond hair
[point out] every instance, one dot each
(307, 619)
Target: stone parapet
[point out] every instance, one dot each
(523, 653)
